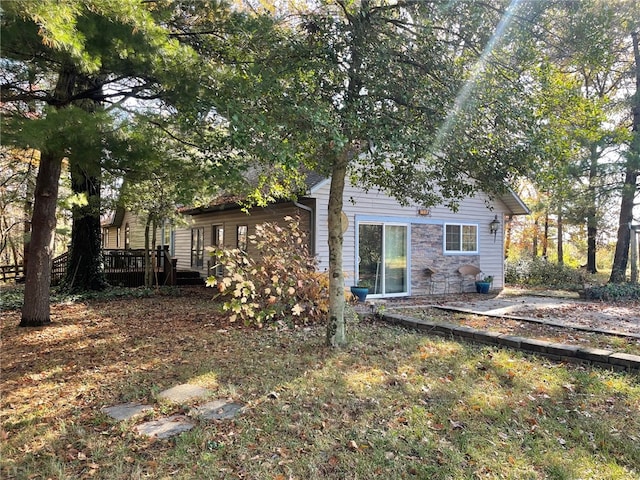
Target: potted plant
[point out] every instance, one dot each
(361, 290)
(484, 284)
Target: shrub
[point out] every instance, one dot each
(13, 297)
(613, 292)
(539, 272)
(279, 283)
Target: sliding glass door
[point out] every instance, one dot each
(382, 258)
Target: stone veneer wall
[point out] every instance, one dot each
(427, 252)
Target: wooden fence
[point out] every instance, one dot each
(10, 272)
(59, 268)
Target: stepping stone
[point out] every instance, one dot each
(183, 393)
(165, 427)
(217, 410)
(125, 411)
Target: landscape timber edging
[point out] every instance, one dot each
(540, 321)
(556, 351)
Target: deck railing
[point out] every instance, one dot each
(125, 267)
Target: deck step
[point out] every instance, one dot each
(188, 277)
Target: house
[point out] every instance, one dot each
(124, 230)
(398, 250)
(124, 256)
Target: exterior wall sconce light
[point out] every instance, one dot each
(424, 212)
(493, 227)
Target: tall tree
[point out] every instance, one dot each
(421, 99)
(84, 271)
(631, 171)
(595, 52)
(57, 58)
(584, 92)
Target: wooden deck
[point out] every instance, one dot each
(125, 268)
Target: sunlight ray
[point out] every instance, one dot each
(464, 94)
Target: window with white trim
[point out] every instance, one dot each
(105, 238)
(127, 237)
(242, 233)
(197, 247)
(461, 238)
(217, 240)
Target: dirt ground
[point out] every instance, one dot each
(617, 317)
(555, 307)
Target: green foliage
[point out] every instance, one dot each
(12, 298)
(280, 283)
(331, 86)
(542, 273)
(613, 292)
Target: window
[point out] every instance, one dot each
(197, 247)
(127, 237)
(217, 238)
(242, 237)
(166, 234)
(168, 237)
(461, 238)
(105, 238)
(118, 237)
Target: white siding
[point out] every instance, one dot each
(229, 219)
(183, 246)
(136, 226)
(376, 204)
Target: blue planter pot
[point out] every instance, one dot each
(483, 287)
(360, 293)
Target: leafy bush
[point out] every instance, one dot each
(279, 283)
(613, 292)
(12, 298)
(538, 272)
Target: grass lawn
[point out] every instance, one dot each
(393, 404)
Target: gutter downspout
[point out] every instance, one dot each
(312, 233)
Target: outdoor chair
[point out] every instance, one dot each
(434, 279)
(466, 274)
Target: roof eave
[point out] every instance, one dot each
(515, 204)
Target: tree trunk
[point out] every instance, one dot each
(507, 240)
(154, 252)
(16, 256)
(592, 232)
(336, 330)
(621, 255)
(85, 271)
(560, 245)
(148, 270)
(634, 256)
(536, 232)
(545, 237)
(592, 212)
(35, 310)
(28, 213)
